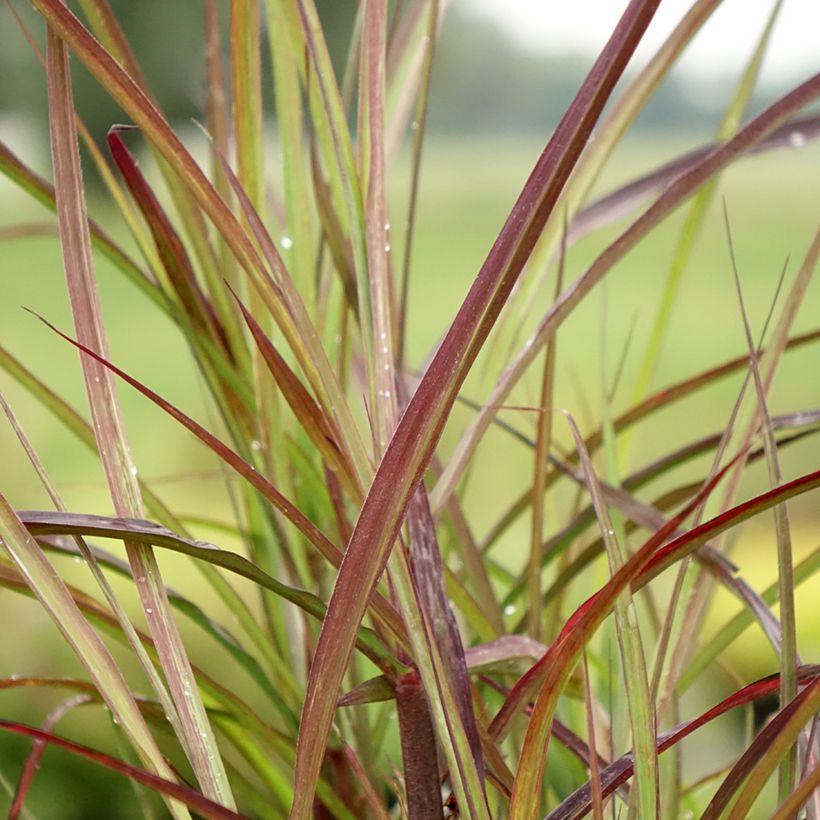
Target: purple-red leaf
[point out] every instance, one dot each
(200, 804)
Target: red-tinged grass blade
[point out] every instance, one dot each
(579, 803)
(109, 432)
(59, 523)
(377, 313)
(442, 633)
(752, 770)
(56, 599)
(622, 201)
(169, 245)
(676, 193)
(184, 794)
(311, 532)
(195, 733)
(421, 425)
(36, 754)
(309, 414)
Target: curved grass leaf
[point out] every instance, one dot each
(752, 770)
(40, 523)
(184, 794)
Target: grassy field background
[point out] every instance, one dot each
(467, 189)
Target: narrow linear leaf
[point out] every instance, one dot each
(186, 795)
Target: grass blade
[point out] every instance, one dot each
(196, 735)
(184, 794)
(633, 659)
(788, 643)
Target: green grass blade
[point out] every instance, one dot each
(785, 565)
(633, 659)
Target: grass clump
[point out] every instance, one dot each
(379, 655)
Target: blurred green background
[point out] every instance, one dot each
(476, 161)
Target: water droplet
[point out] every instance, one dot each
(387, 393)
(77, 560)
(385, 349)
(287, 242)
(116, 720)
(14, 676)
(387, 226)
(383, 335)
(797, 140)
(256, 445)
(97, 379)
(509, 609)
(387, 367)
(148, 610)
(387, 247)
(133, 470)
(414, 125)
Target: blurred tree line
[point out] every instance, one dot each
(483, 82)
